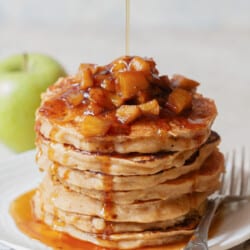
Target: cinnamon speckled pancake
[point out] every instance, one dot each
(129, 239)
(97, 180)
(130, 164)
(93, 224)
(133, 240)
(125, 240)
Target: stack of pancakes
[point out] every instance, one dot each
(129, 155)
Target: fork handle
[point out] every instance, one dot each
(200, 237)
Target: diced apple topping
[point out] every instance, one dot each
(119, 66)
(179, 100)
(130, 88)
(94, 126)
(139, 64)
(86, 79)
(99, 96)
(128, 113)
(116, 99)
(83, 66)
(179, 81)
(108, 84)
(75, 98)
(131, 82)
(150, 108)
(143, 96)
(94, 109)
(159, 81)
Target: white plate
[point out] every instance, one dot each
(20, 174)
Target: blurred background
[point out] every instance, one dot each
(205, 40)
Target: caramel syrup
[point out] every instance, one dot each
(51, 153)
(53, 132)
(107, 197)
(65, 159)
(21, 211)
(66, 175)
(127, 27)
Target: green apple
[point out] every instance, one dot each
(22, 80)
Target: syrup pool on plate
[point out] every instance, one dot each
(21, 211)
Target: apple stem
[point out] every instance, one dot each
(25, 61)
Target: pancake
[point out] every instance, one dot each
(97, 225)
(127, 233)
(123, 164)
(96, 180)
(146, 136)
(126, 240)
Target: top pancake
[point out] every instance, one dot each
(155, 128)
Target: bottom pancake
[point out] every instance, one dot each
(93, 224)
(178, 232)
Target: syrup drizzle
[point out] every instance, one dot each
(51, 153)
(108, 208)
(127, 27)
(66, 174)
(65, 159)
(53, 132)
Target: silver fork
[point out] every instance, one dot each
(234, 187)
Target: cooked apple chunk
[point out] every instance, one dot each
(86, 79)
(119, 66)
(150, 108)
(179, 100)
(163, 82)
(139, 64)
(128, 113)
(143, 96)
(116, 100)
(100, 96)
(83, 66)
(131, 82)
(75, 98)
(94, 126)
(179, 81)
(108, 84)
(93, 109)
